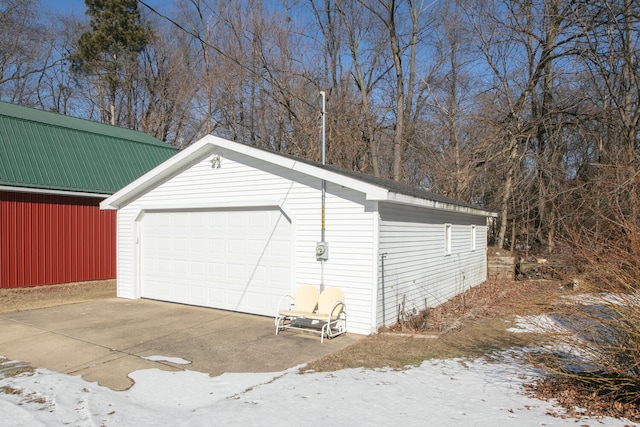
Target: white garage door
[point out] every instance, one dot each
(233, 259)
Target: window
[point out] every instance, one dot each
(473, 237)
(447, 239)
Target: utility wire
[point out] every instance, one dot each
(204, 43)
(196, 36)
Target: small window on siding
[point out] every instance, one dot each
(473, 237)
(447, 239)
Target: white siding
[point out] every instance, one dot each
(245, 181)
(417, 269)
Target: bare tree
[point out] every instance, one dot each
(25, 44)
(608, 47)
(388, 12)
(505, 29)
(365, 46)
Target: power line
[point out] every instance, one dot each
(222, 53)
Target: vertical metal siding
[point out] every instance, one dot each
(47, 239)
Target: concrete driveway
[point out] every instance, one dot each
(105, 340)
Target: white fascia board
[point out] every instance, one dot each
(433, 204)
(52, 192)
(372, 192)
(158, 174)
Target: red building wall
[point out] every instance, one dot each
(47, 239)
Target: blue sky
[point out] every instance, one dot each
(66, 6)
(77, 7)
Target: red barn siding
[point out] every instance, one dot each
(47, 239)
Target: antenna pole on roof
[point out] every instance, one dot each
(324, 157)
(322, 248)
(324, 134)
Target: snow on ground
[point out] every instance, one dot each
(176, 360)
(449, 392)
(541, 324)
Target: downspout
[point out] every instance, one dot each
(384, 319)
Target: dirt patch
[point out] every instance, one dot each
(22, 299)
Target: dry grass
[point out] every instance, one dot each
(22, 299)
(472, 324)
(10, 390)
(578, 401)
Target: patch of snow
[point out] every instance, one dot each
(176, 360)
(439, 392)
(541, 324)
(604, 298)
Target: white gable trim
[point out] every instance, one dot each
(212, 144)
(207, 146)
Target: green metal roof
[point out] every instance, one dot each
(44, 150)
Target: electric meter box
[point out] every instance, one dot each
(322, 251)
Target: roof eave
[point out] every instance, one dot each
(33, 190)
(433, 204)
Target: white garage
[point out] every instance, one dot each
(234, 227)
(229, 259)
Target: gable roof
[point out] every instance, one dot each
(374, 188)
(52, 152)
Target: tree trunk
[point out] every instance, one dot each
(507, 193)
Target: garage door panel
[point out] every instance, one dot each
(216, 246)
(163, 266)
(279, 249)
(236, 221)
(257, 300)
(217, 296)
(236, 246)
(234, 260)
(236, 273)
(198, 245)
(199, 292)
(198, 269)
(198, 219)
(163, 244)
(257, 247)
(279, 275)
(259, 275)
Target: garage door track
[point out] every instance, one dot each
(105, 340)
